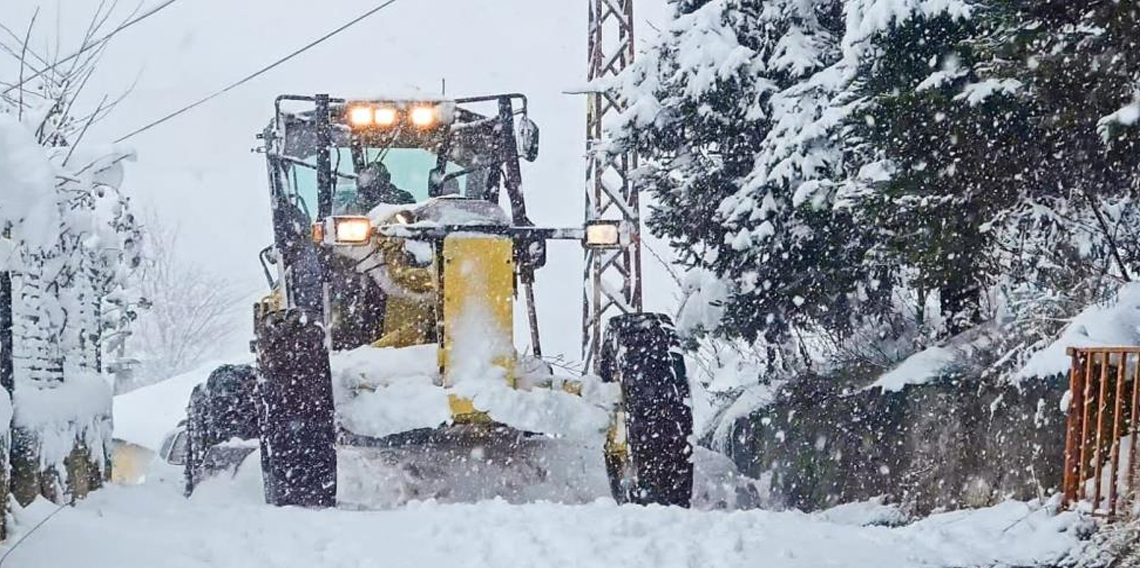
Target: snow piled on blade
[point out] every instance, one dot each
(380, 392)
(384, 391)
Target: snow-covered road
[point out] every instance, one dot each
(153, 525)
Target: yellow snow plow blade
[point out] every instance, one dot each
(478, 319)
(129, 463)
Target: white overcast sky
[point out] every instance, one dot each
(197, 171)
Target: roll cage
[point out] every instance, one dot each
(484, 146)
(477, 138)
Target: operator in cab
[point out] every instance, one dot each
(374, 187)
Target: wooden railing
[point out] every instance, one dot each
(1104, 392)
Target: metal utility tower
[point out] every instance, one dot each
(612, 277)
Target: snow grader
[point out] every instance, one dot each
(400, 225)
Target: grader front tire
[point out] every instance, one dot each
(649, 453)
(298, 434)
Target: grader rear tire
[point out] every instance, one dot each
(221, 409)
(298, 435)
(654, 465)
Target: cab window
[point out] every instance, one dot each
(408, 169)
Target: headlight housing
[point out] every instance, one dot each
(352, 230)
(381, 115)
(385, 116)
(343, 230)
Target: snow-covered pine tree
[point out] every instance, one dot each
(951, 151)
(708, 105)
(1075, 234)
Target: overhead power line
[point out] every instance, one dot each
(257, 73)
(92, 45)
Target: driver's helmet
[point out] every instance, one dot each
(373, 176)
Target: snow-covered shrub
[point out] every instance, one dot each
(75, 242)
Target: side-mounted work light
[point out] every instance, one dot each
(343, 230)
(605, 235)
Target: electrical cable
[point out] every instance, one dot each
(91, 45)
(257, 73)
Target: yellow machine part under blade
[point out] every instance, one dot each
(478, 314)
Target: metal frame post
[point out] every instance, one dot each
(612, 277)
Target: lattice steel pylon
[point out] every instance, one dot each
(612, 277)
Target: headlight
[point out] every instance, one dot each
(423, 116)
(352, 230)
(603, 234)
(385, 116)
(361, 116)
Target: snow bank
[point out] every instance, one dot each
(1112, 324)
(749, 400)
(152, 525)
(919, 368)
(1116, 323)
(144, 416)
(955, 354)
(873, 512)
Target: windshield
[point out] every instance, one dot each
(407, 171)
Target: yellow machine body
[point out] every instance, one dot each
(477, 328)
(468, 300)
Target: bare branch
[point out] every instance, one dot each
(95, 43)
(86, 125)
(13, 35)
(191, 311)
(23, 56)
(1108, 235)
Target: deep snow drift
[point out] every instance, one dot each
(153, 525)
